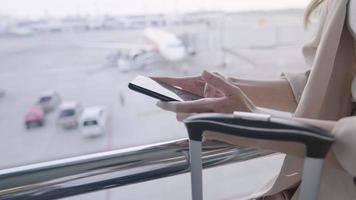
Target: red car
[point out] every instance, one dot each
(34, 117)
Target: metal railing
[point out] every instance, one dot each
(94, 172)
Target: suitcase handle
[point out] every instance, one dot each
(261, 126)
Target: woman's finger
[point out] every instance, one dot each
(219, 83)
(220, 75)
(197, 106)
(210, 92)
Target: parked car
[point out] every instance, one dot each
(93, 121)
(69, 113)
(34, 117)
(49, 101)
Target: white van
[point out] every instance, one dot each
(93, 121)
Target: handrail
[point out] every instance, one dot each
(94, 172)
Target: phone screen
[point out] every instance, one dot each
(161, 91)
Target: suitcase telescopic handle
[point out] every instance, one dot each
(260, 126)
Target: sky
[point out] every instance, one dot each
(59, 8)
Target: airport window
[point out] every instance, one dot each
(65, 66)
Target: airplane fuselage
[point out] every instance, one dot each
(168, 45)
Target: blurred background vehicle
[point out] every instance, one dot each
(49, 100)
(93, 121)
(34, 117)
(69, 113)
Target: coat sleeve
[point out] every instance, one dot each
(297, 82)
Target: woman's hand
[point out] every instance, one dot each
(231, 98)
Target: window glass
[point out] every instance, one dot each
(87, 51)
(67, 113)
(45, 99)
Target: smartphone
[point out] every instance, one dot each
(160, 91)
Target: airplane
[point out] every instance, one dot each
(159, 44)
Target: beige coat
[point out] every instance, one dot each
(324, 95)
(331, 56)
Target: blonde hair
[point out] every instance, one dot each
(313, 5)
